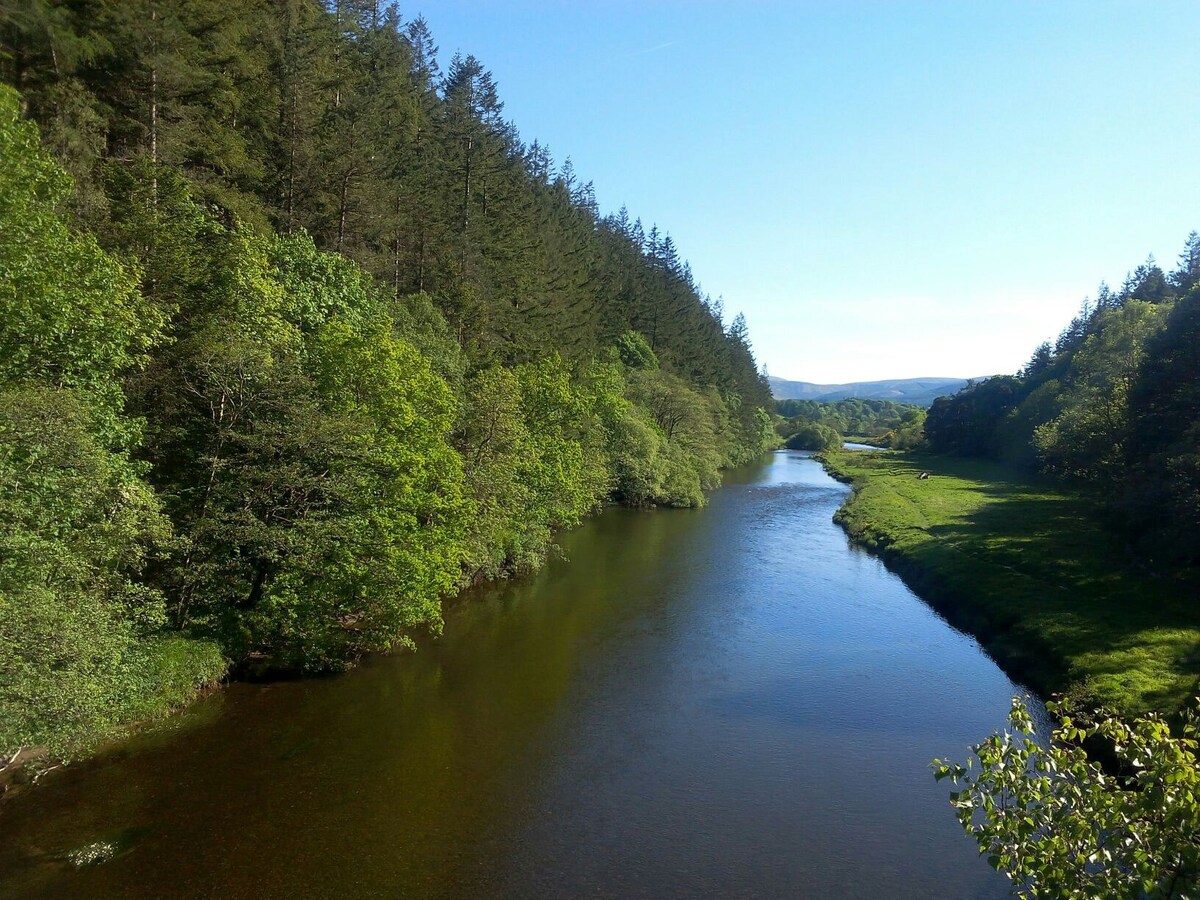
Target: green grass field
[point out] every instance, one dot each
(1030, 571)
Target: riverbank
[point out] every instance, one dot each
(24, 766)
(1027, 569)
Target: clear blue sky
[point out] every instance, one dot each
(885, 189)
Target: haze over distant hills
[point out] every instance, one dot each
(917, 391)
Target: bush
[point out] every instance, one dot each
(1059, 826)
(814, 436)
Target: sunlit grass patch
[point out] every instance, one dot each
(1031, 571)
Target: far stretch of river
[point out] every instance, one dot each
(727, 702)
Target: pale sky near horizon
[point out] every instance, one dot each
(886, 189)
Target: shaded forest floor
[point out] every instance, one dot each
(1029, 569)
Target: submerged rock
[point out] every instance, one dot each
(99, 852)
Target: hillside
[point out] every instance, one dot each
(916, 391)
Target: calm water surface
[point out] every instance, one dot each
(725, 702)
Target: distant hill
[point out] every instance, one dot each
(917, 391)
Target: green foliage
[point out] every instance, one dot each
(635, 351)
(302, 446)
(820, 424)
(693, 429)
(910, 433)
(641, 461)
(1161, 497)
(541, 448)
(566, 472)
(814, 436)
(1085, 440)
(76, 527)
(418, 321)
(645, 468)
(322, 286)
(861, 418)
(336, 122)
(374, 555)
(758, 437)
(81, 649)
(967, 423)
(72, 313)
(1059, 825)
(505, 532)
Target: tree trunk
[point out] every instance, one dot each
(342, 211)
(154, 102)
(466, 216)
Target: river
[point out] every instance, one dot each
(724, 702)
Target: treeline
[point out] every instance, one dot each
(822, 424)
(297, 336)
(1113, 404)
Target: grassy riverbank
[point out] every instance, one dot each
(1028, 569)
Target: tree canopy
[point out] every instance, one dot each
(1112, 405)
(821, 424)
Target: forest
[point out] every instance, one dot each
(822, 424)
(299, 337)
(1112, 406)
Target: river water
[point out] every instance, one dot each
(724, 702)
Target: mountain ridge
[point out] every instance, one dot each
(917, 391)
